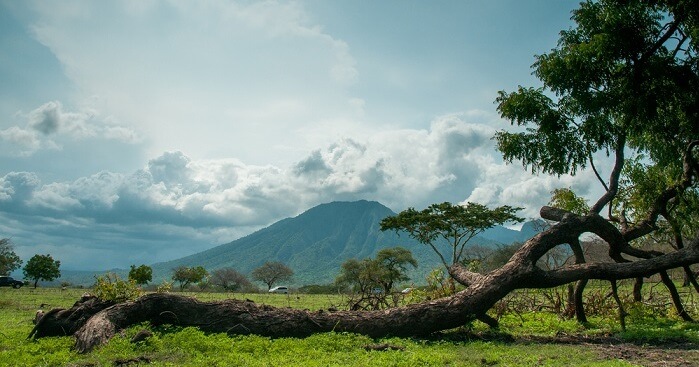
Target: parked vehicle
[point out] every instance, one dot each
(10, 282)
(280, 289)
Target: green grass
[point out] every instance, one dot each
(174, 346)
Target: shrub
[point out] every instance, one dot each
(110, 287)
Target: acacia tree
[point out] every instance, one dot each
(42, 267)
(624, 79)
(141, 274)
(448, 228)
(366, 276)
(186, 275)
(9, 261)
(394, 262)
(271, 273)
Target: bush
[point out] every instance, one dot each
(110, 287)
(164, 287)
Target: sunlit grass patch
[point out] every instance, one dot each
(471, 345)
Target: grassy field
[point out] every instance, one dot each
(524, 339)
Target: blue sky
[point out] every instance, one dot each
(141, 131)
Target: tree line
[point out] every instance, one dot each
(37, 268)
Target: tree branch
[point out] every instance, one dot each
(612, 271)
(613, 177)
(689, 172)
(464, 276)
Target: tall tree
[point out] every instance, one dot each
(42, 267)
(271, 273)
(394, 262)
(447, 228)
(624, 80)
(9, 261)
(141, 274)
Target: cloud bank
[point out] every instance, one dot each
(175, 205)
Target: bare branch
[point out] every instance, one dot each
(613, 177)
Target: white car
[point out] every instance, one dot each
(279, 289)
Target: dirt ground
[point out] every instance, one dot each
(676, 353)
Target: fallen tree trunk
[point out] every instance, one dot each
(241, 317)
(96, 322)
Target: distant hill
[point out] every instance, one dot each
(315, 243)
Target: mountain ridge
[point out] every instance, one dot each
(316, 242)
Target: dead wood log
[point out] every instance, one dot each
(239, 317)
(483, 291)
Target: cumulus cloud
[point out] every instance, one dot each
(19, 142)
(210, 199)
(230, 67)
(49, 125)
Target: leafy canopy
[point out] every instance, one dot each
(388, 268)
(567, 199)
(109, 287)
(453, 225)
(186, 275)
(141, 274)
(625, 78)
(9, 261)
(42, 267)
(272, 272)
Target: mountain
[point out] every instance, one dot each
(315, 243)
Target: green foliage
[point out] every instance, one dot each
(186, 275)
(614, 77)
(356, 274)
(372, 280)
(367, 275)
(9, 261)
(42, 267)
(566, 199)
(141, 274)
(272, 272)
(624, 78)
(454, 225)
(439, 285)
(164, 287)
(109, 287)
(499, 256)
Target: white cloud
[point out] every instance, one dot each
(217, 79)
(49, 126)
(18, 141)
(211, 199)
